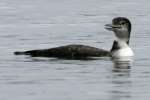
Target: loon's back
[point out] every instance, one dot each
(68, 51)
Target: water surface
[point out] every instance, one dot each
(30, 24)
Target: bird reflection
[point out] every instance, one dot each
(121, 83)
(122, 64)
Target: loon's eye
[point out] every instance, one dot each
(123, 23)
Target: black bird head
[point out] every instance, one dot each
(121, 26)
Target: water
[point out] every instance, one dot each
(36, 24)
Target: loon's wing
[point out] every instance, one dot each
(69, 51)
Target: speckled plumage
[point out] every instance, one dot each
(68, 51)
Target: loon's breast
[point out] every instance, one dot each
(123, 52)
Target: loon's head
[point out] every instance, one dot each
(121, 26)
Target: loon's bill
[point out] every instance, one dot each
(121, 26)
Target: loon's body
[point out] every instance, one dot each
(73, 51)
(121, 26)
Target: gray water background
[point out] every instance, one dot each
(37, 24)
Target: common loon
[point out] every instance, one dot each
(121, 26)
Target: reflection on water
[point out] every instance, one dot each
(121, 79)
(122, 62)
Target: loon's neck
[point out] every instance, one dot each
(121, 48)
(119, 44)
